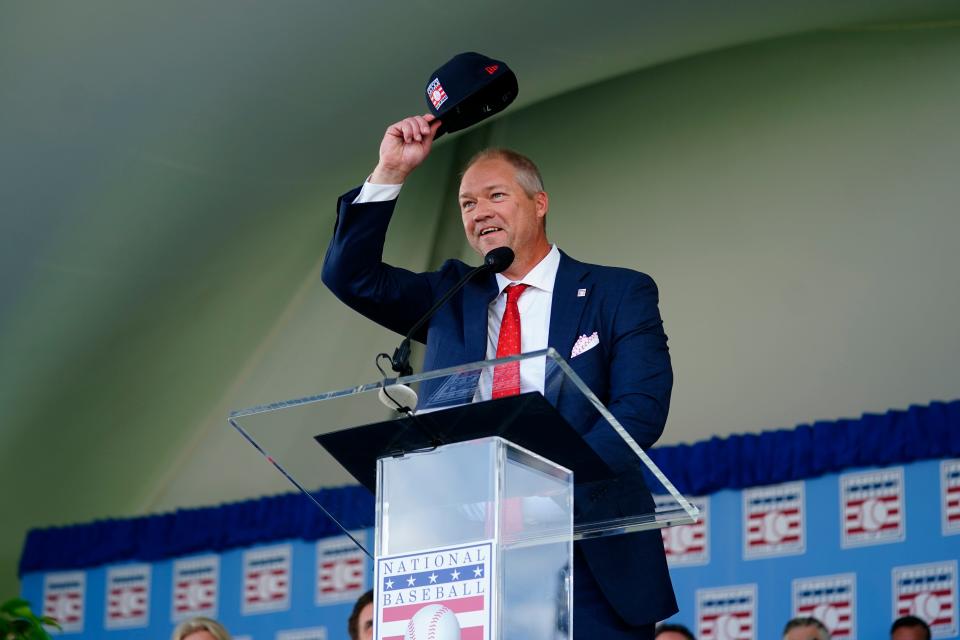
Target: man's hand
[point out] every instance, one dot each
(404, 146)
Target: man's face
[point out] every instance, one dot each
(365, 622)
(909, 633)
(808, 632)
(670, 635)
(496, 210)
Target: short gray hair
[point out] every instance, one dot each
(193, 625)
(528, 175)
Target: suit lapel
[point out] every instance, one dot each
(567, 309)
(477, 296)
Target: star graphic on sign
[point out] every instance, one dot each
(433, 578)
(477, 572)
(389, 584)
(455, 575)
(411, 581)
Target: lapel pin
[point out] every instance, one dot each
(581, 293)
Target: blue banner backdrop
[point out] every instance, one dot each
(857, 548)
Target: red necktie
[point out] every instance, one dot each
(506, 377)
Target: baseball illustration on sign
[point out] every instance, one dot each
(727, 613)
(266, 579)
(438, 594)
(830, 599)
(128, 597)
(195, 582)
(63, 599)
(872, 507)
(773, 521)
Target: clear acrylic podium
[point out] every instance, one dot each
(494, 546)
(478, 501)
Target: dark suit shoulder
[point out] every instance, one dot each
(610, 276)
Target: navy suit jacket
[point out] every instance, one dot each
(629, 370)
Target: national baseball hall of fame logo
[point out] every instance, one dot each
(928, 591)
(687, 545)
(773, 521)
(950, 496)
(727, 613)
(872, 507)
(195, 585)
(830, 599)
(266, 579)
(341, 567)
(128, 597)
(64, 595)
(436, 594)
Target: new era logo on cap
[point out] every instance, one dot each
(492, 69)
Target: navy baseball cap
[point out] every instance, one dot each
(469, 88)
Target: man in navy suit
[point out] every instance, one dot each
(621, 584)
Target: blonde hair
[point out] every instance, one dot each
(193, 625)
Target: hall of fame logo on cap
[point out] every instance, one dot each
(341, 567)
(195, 587)
(64, 595)
(266, 579)
(436, 93)
(128, 597)
(313, 633)
(727, 613)
(928, 591)
(950, 490)
(773, 521)
(687, 545)
(436, 594)
(830, 599)
(872, 507)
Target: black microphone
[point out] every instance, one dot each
(496, 261)
(499, 259)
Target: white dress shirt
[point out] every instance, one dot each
(534, 305)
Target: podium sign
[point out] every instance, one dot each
(567, 425)
(473, 540)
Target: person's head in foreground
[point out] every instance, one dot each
(805, 628)
(200, 629)
(909, 628)
(668, 631)
(360, 622)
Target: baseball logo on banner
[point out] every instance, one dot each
(266, 579)
(313, 633)
(830, 599)
(436, 594)
(727, 613)
(195, 585)
(928, 591)
(64, 595)
(341, 570)
(687, 545)
(872, 507)
(128, 597)
(950, 490)
(773, 521)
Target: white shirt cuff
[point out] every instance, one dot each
(370, 192)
